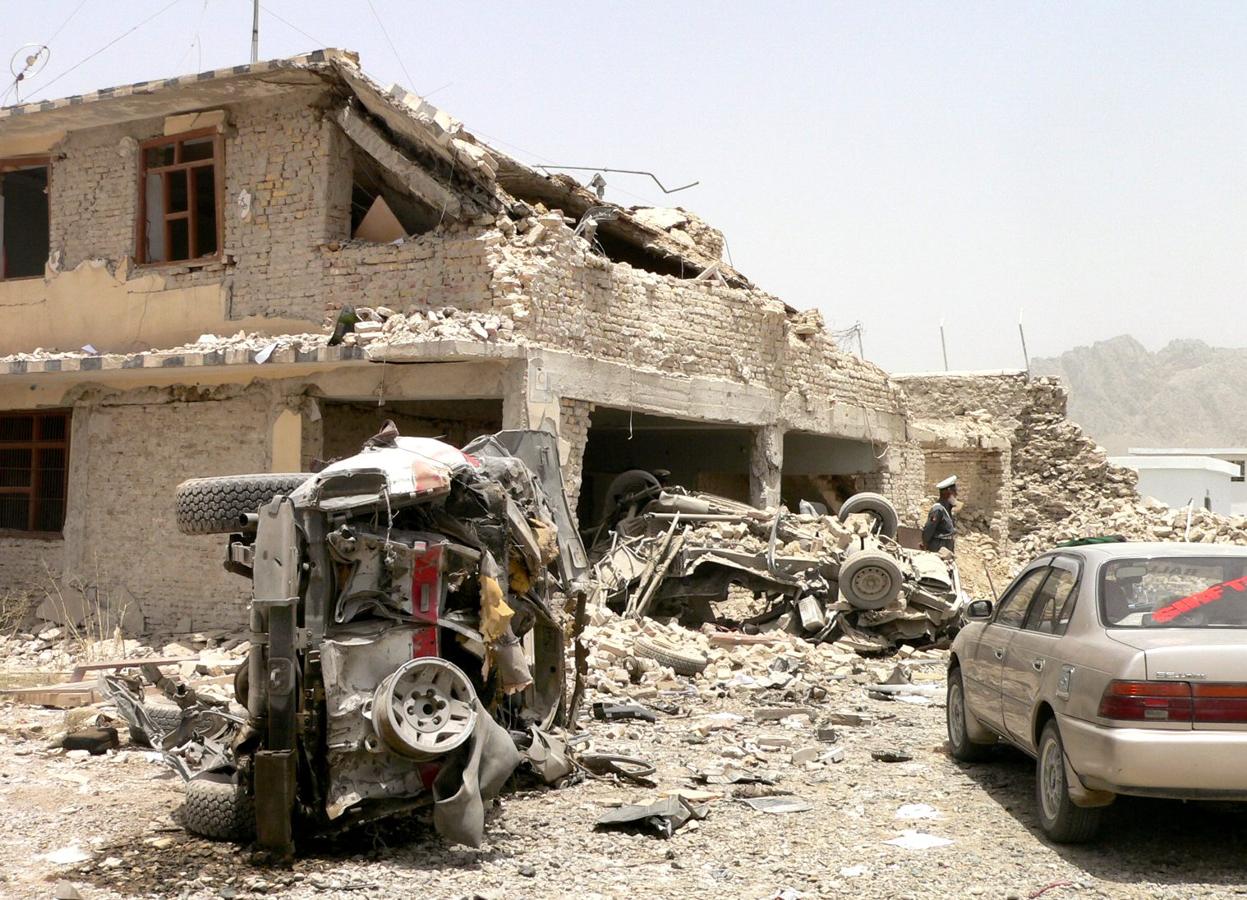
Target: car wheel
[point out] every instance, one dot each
(959, 744)
(1061, 820)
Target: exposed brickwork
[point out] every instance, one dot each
(126, 460)
(574, 421)
(984, 486)
(27, 566)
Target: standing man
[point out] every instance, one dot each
(941, 529)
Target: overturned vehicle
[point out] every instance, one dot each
(666, 552)
(406, 638)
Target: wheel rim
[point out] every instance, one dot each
(425, 708)
(1051, 779)
(871, 585)
(956, 716)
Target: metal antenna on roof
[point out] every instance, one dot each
(255, 31)
(600, 169)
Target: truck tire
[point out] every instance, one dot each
(215, 505)
(217, 808)
(165, 715)
(876, 505)
(680, 660)
(870, 580)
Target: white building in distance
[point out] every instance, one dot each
(1212, 477)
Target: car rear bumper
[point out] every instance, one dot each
(1156, 763)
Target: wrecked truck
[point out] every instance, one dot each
(666, 552)
(406, 638)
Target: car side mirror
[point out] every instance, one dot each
(979, 609)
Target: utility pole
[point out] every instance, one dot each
(1025, 356)
(943, 345)
(255, 31)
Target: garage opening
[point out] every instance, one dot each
(697, 455)
(346, 424)
(826, 470)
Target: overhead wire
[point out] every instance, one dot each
(311, 37)
(129, 31)
(195, 39)
(410, 83)
(46, 45)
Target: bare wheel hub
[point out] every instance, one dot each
(871, 584)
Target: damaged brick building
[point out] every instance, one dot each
(142, 221)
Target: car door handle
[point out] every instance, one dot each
(1037, 664)
(1000, 652)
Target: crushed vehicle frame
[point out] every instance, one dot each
(406, 636)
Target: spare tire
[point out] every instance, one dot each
(216, 505)
(217, 808)
(876, 505)
(164, 714)
(681, 660)
(870, 579)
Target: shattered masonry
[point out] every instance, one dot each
(516, 320)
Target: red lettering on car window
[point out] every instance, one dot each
(1195, 601)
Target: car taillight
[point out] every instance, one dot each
(1174, 701)
(1147, 701)
(1220, 702)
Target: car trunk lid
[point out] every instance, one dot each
(1212, 660)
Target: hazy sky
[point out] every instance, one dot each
(890, 163)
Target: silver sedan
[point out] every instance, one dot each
(1121, 667)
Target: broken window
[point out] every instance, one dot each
(179, 193)
(23, 218)
(34, 468)
(382, 208)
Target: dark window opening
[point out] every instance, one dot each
(23, 219)
(382, 208)
(180, 192)
(821, 469)
(1242, 471)
(34, 470)
(346, 424)
(700, 456)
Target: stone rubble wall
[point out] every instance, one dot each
(1052, 470)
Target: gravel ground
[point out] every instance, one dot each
(541, 842)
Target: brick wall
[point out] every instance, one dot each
(28, 566)
(984, 486)
(583, 303)
(574, 422)
(125, 461)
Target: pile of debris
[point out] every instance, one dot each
(445, 324)
(702, 560)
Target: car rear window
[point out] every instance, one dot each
(1174, 592)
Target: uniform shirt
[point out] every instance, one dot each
(940, 528)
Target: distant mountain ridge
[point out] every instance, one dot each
(1187, 394)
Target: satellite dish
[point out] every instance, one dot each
(27, 61)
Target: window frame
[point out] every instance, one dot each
(1067, 564)
(31, 490)
(14, 164)
(1043, 569)
(218, 180)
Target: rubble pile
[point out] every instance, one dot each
(444, 324)
(684, 556)
(719, 663)
(1065, 488)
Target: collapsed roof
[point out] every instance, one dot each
(419, 145)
